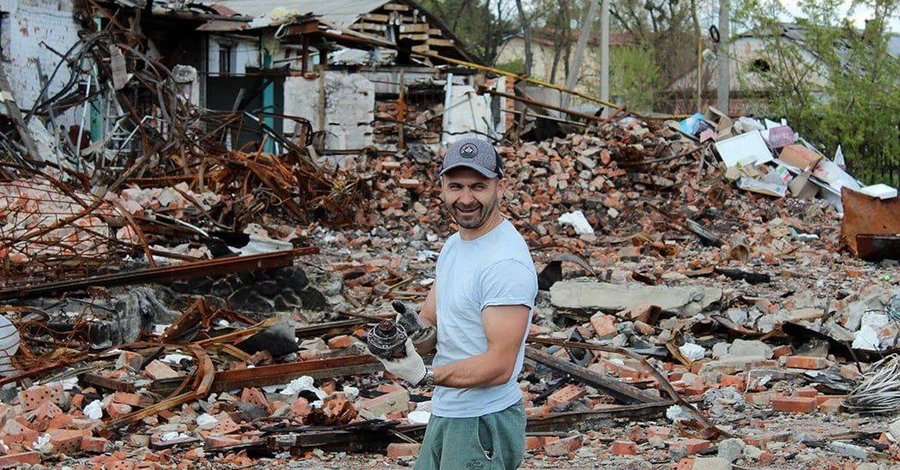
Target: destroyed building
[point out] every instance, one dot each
(201, 225)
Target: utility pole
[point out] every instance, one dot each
(724, 59)
(579, 50)
(604, 52)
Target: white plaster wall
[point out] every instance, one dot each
(245, 54)
(466, 113)
(349, 108)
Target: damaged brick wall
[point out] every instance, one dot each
(26, 24)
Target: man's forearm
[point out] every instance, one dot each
(483, 370)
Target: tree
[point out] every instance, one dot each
(482, 25)
(836, 84)
(635, 79)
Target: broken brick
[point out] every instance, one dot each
(95, 445)
(398, 450)
(806, 362)
(794, 404)
(624, 448)
(563, 446)
(340, 342)
(565, 395)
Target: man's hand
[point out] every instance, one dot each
(410, 368)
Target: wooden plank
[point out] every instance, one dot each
(376, 17)
(414, 28)
(440, 42)
(14, 113)
(368, 27)
(621, 391)
(436, 32)
(415, 37)
(422, 49)
(396, 7)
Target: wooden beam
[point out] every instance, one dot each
(623, 392)
(377, 17)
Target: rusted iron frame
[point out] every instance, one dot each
(590, 117)
(43, 369)
(283, 373)
(661, 379)
(107, 383)
(328, 329)
(204, 379)
(137, 230)
(239, 335)
(278, 259)
(187, 320)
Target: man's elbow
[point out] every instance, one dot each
(502, 375)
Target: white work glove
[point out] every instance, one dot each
(411, 368)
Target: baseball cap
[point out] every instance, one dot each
(474, 153)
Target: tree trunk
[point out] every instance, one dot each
(526, 31)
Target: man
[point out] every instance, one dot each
(481, 304)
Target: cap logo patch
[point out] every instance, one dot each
(468, 151)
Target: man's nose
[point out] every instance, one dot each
(466, 196)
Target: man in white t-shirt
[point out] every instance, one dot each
(481, 304)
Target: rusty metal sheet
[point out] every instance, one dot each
(878, 247)
(869, 216)
(219, 266)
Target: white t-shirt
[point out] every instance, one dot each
(494, 269)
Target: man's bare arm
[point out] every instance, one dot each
(504, 327)
(428, 315)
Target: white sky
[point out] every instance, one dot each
(858, 17)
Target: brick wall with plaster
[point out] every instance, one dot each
(27, 23)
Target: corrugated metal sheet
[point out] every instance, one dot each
(340, 12)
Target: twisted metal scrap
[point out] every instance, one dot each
(879, 390)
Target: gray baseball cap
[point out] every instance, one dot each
(474, 153)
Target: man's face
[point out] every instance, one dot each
(470, 197)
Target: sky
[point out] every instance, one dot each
(859, 15)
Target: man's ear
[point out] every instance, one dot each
(502, 183)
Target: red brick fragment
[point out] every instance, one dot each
(806, 362)
(624, 448)
(794, 404)
(398, 450)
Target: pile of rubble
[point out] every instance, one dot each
(182, 303)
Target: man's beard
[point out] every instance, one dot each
(476, 220)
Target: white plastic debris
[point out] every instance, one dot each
(69, 383)
(174, 435)
(94, 410)
(352, 393)
(159, 328)
(675, 413)
(206, 419)
(880, 190)
(578, 221)
(867, 338)
(693, 352)
(175, 358)
(9, 344)
(41, 441)
(304, 383)
(419, 417)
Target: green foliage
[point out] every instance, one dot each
(516, 66)
(836, 85)
(635, 78)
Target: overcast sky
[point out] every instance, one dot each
(859, 15)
